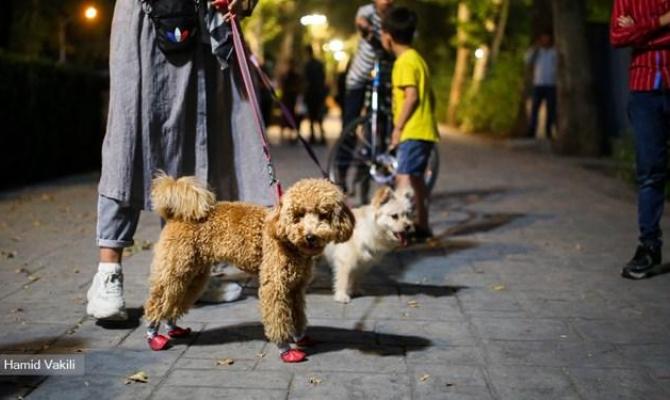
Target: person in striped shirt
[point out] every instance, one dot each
(369, 24)
(644, 25)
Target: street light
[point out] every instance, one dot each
(314, 20)
(90, 14)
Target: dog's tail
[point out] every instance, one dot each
(185, 199)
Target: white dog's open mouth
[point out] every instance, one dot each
(402, 238)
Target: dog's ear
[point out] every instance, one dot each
(343, 222)
(273, 222)
(382, 196)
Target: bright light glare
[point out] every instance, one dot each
(91, 13)
(335, 45)
(340, 56)
(314, 20)
(479, 53)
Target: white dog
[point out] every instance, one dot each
(380, 227)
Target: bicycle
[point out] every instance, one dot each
(363, 145)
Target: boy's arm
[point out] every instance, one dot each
(624, 31)
(408, 108)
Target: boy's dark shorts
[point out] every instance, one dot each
(413, 157)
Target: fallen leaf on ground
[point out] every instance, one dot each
(48, 197)
(413, 303)
(21, 271)
(260, 355)
(33, 278)
(313, 380)
(498, 288)
(141, 377)
(424, 377)
(8, 253)
(225, 361)
(17, 310)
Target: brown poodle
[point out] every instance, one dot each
(278, 244)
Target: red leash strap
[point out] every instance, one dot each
(241, 55)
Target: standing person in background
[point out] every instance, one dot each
(315, 94)
(643, 25)
(543, 62)
(183, 112)
(369, 24)
(290, 83)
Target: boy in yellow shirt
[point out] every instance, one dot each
(415, 132)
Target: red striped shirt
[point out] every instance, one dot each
(650, 63)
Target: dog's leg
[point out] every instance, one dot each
(342, 282)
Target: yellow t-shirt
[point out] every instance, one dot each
(411, 70)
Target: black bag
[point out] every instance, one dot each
(177, 23)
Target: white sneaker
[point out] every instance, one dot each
(220, 291)
(105, 296)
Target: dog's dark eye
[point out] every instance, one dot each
(298, 216)
(394, 216)
(324, 216)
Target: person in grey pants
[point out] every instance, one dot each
(186, 114)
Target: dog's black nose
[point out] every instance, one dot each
(311, 239)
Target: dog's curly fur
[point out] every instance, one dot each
(277, 244)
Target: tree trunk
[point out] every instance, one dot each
(461, 69)
(500, 30)
(578, 128)
(541, 18)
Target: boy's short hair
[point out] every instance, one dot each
(400, 23)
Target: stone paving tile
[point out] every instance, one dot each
(29, 338)
(553, 353)
(449, 355)
(424, 333)
(383, 359)
(522, 329)
(229, 379)
(92, 386)
(349, 386)
(639, 331)
(616, 384)
(530, 383)
(449, 382)
(196, 392)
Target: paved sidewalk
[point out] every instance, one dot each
(521, 299)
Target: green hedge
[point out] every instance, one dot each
(494, 108)
(51, 120)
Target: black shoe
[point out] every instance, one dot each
(421, 235)
(645, 260)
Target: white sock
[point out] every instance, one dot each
(283, 347)
(152, 330)
(109, 268)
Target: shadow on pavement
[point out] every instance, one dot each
(133, 321)
(327, 339)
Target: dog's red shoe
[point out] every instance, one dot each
(178, 332)
(305, 341)
(293, 356)
(159, 342)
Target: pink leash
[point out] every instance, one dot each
(241, 55)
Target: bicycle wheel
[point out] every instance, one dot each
(433, 168)
(349, 160)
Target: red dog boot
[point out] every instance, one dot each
(305, 341)
(159, 342)
(293, 356)
(178, 332)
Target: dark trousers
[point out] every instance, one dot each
(354, 101)
(540, 95)
(649, 113)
